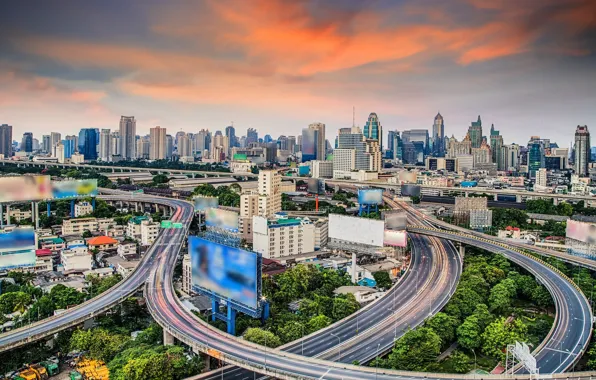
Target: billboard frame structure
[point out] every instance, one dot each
(232, 306)
(366, 206)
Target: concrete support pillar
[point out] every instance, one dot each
(8, 215)
(207, 360)
(168, 339)
(156, 207)
(231, 320)
(353, 268)
(555, 201)
(33, 212)
(462, 250)
(137, 207)
(465, 192)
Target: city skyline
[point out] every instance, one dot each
(526, 70)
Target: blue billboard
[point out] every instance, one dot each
(370, 196)
(17, 248)
(203, 203)
(228, 272)
(80, 188)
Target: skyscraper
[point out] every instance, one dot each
(373, 129)
(115, 144)
(45, 144)
(68, 148)
(292, 144)
(169, 146)
(27, 142)
(75, 142)
(438, 139)
(309, 144)
(179, 135)
(184, 146)
(55, 138)
(128, 132)
(267, 139)
(496, 147)
(475, 132)
(157, 143)
(321, 149)
(231, 134)
(88, 143)
(6, 140)
(251, 136)
(582, 150)
(143, 147)
(420, 136)
(105, 145)
(535, 156)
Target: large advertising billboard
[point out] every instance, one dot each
(395, 219)
(25, 188)
(230, 273)
(222, 219)
(79, 188)
(356, 230)
(316, 186)
(370, 196)
(395, 238)
(582, 231)
(17, 248)
(410, 190)
(203, 203)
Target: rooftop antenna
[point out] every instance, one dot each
(353, 116)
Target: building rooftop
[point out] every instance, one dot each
(43, 252)
(101, 240)
(137, 219)
(53, 240)
(354, 289)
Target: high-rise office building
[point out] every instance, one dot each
(511, 153)
(321, 148)
(105, 145)
(582, 150)
(231, 134)
(169, 146)
(282, 143)
(68, 148)
(27, 142)
(36, 146)
(115, 144)
(88, 143)
(535, 156)
(143, 147)
(267, 139)
(496, 147)
(157, 143)
(74, 143)
(438, 139)
(55, 138)
(391, 142)
(128, 133)
(179, 135)
(6, 140)
(59, 152)
(184, 146)
(475, 132)
(373, 129)
(45, 144)
(292, 144)
(310, 137)
(417, 135)
(252, 136)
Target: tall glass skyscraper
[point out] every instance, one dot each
(582, 150)
(373, 129)
(69, 148)
(309, 144)
(535, 157)
(27, 142)
(438, 139)
(475, 131)
(88, 143)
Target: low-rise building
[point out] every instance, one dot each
(99, 272)
(363, 294)
(53, 244)
(321, 232)
(83, 208)
(241, 166)
(116, 231)
(186, 275)
(77, 158)
(104, 243)
(133, 228)
(79, 225)
(44, 261)
(128, 251)
(283, 236)
(149, 232)
(17, 215)
(76, 259)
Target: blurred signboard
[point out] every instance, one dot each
(177, 225)
(17, 248)
(316, 186)
(228, 272)
(364, 231)
(239, 157)
(25, 188)
(166, 224)
(370, 196)
(395, 219)
(221, 219)
(582, 231)
(79, 188)
(410, 190)
(395, 238)
(203, 203)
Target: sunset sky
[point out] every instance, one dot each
(527, 66)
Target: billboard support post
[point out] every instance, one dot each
(1, 216)
(214, 308)
(93, 203)
(231, 320)
(8, 215)
(72, 208)
(49, 206)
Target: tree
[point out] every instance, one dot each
(63, 296)
(262, 337)
(342, 307)
(460, 362)
(100, 343)
(469, 333)
(87, 234)
(415, 350)
(501, 296)
(160, 178)
(444, 325)
(291, 331)
(14, 301)
(499, 334)
(541, 297)
(383, 280)
(318, 322)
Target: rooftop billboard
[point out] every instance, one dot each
(395, 219)
(410, 190)
(230, 273)
(79, 188)
(17, 248)
(221, 219)
(203, 203)
(25, 188)
(582, 231)
(370, 196)
(356, 230)
(316, 186)
(17, 259)
(395, 238)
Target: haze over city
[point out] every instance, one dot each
(277, 66)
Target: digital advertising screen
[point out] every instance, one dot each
(223, 219)
(79, 188)
(231, 273)
(395, 238)
(370, 196)
(17, 240)
(203, 203)
(25, 188)
(582, 231)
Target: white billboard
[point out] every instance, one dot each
(395, 238)
(356, 230)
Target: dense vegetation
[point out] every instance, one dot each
(495, 303)
(227, 195)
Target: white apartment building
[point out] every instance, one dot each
(321, 233)
(77, 158)
(322, 169)
(541, 177)
(149, 232)
(241, 166)
(265, 202)
(83, 208)
(283, 236)
(76, 258)
(127, 250)
(43, 261)
(78, 226)
(186, 275)
(133, 228)
(344, 160)
(16, 215)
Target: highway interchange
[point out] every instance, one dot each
(156, 269)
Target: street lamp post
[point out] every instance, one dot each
(475, 367)
(377, 363)
(339, 339)
(302, 342)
